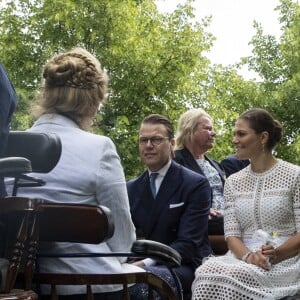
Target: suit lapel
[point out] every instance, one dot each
(143, 205)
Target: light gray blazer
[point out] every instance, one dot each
(88, 172)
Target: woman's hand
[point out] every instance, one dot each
(270, 252)
(259, 259)
(213, 213)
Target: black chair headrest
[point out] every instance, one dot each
(43, 150)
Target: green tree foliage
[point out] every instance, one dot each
(226, 95)
(152, 59)
(278, 64)
(156, 64)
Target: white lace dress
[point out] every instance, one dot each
(268, 201)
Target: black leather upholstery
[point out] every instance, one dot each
(29, 152)
(35, 147)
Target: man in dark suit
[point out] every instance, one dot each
(177, 213)
(8, 100)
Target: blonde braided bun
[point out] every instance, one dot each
(74, 85)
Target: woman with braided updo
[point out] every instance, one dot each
(89, 170)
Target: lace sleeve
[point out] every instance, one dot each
(296, 201)
(231, 223)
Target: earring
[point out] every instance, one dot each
(263, 148)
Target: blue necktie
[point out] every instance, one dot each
(152, 183)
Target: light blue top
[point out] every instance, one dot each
(88, 172)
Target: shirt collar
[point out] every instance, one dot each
(162, 172)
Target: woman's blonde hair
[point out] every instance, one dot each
(187, 124)
(74, 85)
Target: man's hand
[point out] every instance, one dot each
(138, 263)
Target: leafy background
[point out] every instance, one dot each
(156, 64)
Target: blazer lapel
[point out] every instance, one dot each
(191, 163)
(143, 205)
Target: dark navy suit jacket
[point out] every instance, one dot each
(8, 100)
(177, 216)
(232, 165)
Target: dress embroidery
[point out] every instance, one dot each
(268, 201)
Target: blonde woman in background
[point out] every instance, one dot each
(195, 136)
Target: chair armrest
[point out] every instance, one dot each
(30, 181)
(14, 166)
(158, 251)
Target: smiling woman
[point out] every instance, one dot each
(255, 137)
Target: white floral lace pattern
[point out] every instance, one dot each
(268, 201)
